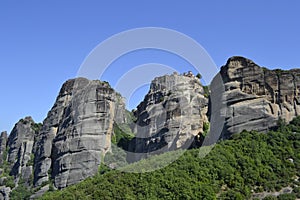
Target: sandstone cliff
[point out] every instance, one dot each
(256, 97)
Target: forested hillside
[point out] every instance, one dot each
(248, 165)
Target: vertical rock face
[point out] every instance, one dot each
(4, 193)
(20, 144)
(77, 132)
(16, 153)
(172, 113)
(43, 147)
(3, 141)
(84, 134)
(257, 97)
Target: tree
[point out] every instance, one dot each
(199, 76)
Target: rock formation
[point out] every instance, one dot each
(68, 147)
(77, 132)
(4, 191)
(172, 113)
(256, 97)
(20, 144)
(16, 156)
(3, 141)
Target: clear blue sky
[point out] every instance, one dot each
(43, 43)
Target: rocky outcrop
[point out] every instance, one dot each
(84, 134)
(43, 146)
(77, 132)
(172, 113)
(256, 97)
(20, 144)
(4, 193)
(3, 141)
(69, 145)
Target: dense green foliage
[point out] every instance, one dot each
(7, 179)
(37, 127)
(122, 135)
(234, 169)
(20, 192)
(206, 91)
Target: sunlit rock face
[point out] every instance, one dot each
(77, 132)
(256, 97)
(170, 116)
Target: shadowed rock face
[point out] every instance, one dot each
(3, 141)
(20, 144)
(16, 155)
(172, 113)
(77, 132)
(256, 97)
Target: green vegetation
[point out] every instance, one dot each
(7, 179)
(161, 99)
(120, 140)
(205, 128)
(265, 69)
(31, 161)
(199, 76)
(20, 192)
(130, 116)
(279, 72)
(106, 83)
(122, 135)
(206, 91)
(234, 169)
(37, 127)
(287, 197)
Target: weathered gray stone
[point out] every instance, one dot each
(84, 134)
(40, 192)
(20, 144)
(77, 132)
(4, 192)
(2, 180)
(257, 97)
(78, 129)
(43, 146)
(3, 141)
(171, 115)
